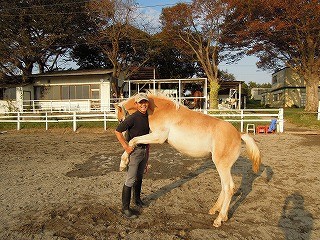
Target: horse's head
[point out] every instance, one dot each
(120, 112)
(127, 107)
(124, 108)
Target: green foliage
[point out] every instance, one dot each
(301, 118)
(254, 104)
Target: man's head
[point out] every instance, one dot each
(142, 102)
(141, 96)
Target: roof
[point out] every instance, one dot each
(173, 80)
(74, 73)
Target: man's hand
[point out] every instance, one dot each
(129, 149)
(124, 143)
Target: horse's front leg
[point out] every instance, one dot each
(154, 137)
(124, 161)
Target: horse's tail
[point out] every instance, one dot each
(253, 151)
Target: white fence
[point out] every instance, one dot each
(255, 116)
(57, 117)
(245, 116)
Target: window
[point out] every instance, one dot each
(85, 92)
(95, 94)
(277, 97)
(82, 92)
(65, 92)
(55, 93)
(72, 92)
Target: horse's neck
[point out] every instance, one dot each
(163, 104)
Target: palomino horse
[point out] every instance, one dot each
(197, 135)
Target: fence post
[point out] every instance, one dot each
(105, 120)
(74, 121)
(280, 118)
(242, 123)
(18, 121)
(46, 121)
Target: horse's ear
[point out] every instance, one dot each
(117, 107)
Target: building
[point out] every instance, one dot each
(64, 90)
(256, 93)
(288, 90)
(89, 90)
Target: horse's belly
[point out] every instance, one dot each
(190, 146)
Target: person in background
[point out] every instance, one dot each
(136, 125)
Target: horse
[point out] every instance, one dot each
(197, 99)
(198, 135)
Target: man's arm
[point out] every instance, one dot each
(123, 142)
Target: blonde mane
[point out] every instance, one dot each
(152, 96)
(164, 97)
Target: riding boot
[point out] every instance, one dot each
(126, 197)
(137, 194)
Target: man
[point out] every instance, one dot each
(136, 125)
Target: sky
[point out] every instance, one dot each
(244, 70)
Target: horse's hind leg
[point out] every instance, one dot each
(225, 196)
(217, 206)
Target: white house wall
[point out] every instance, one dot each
(105, 96)
(50, 88)
(69, 80)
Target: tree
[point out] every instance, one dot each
(282, 34)
(196, 29)
(125, 46)
(37, 33)
(89, 57)
(169, 61)
(225, 76)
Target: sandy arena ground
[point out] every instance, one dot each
(64, 185)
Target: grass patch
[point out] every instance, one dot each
(7, 126)
(301, 118)
(60, 125)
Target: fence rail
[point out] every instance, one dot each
(243, 116)
(57, 117)
(250, 116)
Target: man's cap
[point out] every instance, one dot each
(141, 96)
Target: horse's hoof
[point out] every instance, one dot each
(217, 223)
